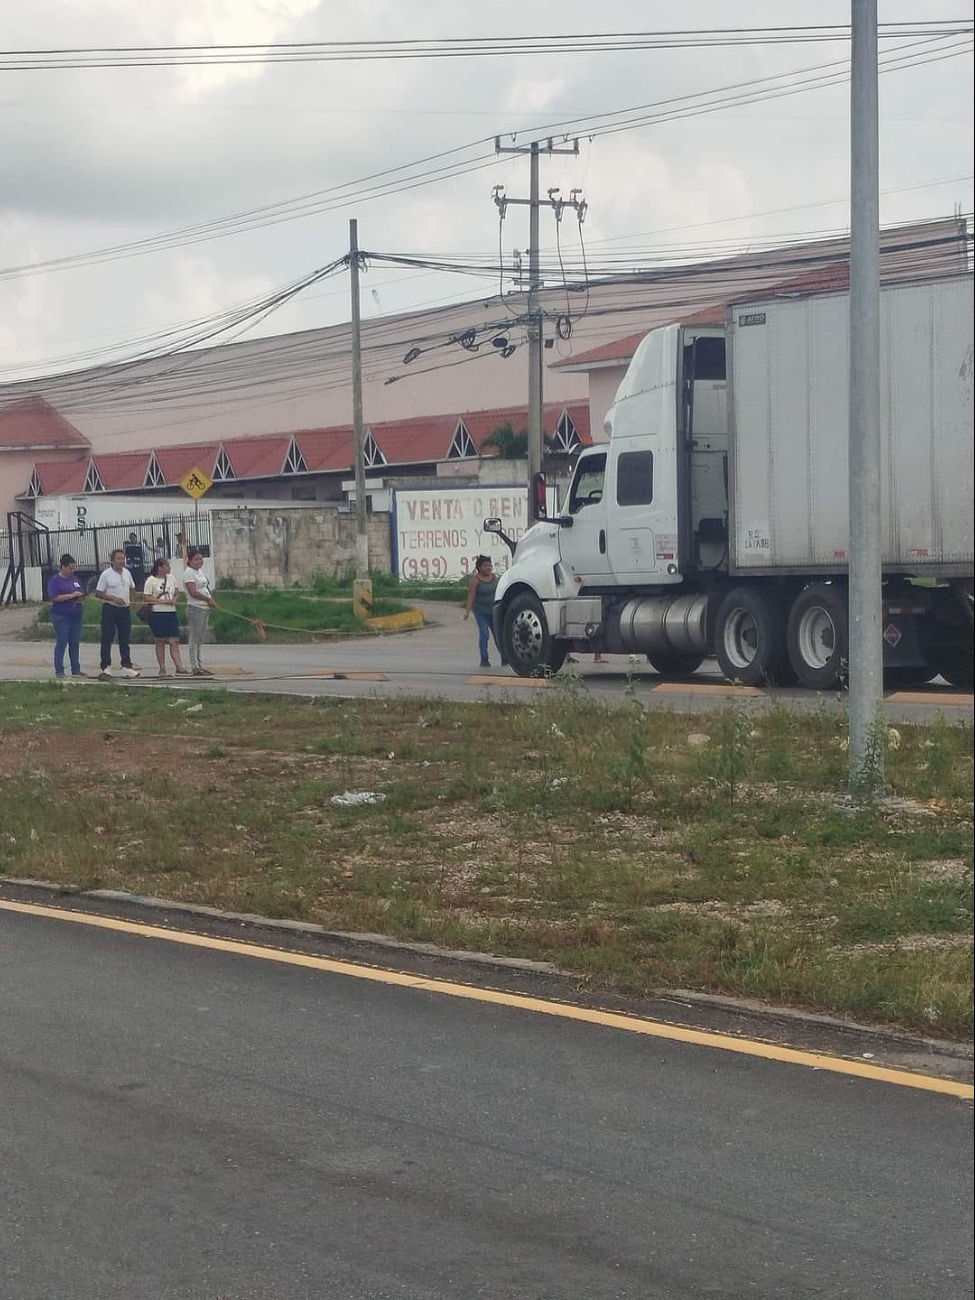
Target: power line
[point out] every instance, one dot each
(210, 55)
(364, 189)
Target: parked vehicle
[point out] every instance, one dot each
(715, 521)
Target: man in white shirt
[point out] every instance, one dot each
(114, 589)
(199, 602)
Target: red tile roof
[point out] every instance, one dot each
(622, 350)
(326, 449)
(261, 457)
(175, 462)
(481, 424)
(121, 471)
(423, 439)
(417, 441)
(57, 476)
(32, 422)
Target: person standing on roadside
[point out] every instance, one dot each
(480, 603)
(199, 602)
(159, 594)
(114, 590)
(66, 595)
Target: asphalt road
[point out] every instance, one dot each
(184, 1124)
(442, 660)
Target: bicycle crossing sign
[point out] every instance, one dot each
(196, 484)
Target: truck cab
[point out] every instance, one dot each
(623, 530)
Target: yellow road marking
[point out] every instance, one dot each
(705, 688)
(482, 679)
(518, 1001)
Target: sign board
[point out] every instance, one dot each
(196, 484)
(438, 532)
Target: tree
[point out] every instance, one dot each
(508, 444)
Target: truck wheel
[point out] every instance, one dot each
(529, 649)
(749, 638)
(675, 665)
(818, 636)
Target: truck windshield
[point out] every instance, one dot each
(587, 487)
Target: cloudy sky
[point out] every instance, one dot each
(92, 158)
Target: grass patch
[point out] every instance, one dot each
(287, 608)
(595, 837)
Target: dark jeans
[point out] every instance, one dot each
(67, 636)
(485, 628)
(116, 622)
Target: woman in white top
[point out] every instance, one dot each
(159, 594)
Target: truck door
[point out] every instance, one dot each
(583, 543)
(633, 549)
(641, 486)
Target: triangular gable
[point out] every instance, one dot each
(223, 470)
(93, 482)
(294, 462)
(154, 475)
(371, 453)
(34, 488)
(461, 444)
(565, 439)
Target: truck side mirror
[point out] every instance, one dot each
(541, 496)
(492, 525)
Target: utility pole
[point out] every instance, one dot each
(362, 589)
(866, 601)
(535, 315)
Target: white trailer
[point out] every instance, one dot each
(716, 521)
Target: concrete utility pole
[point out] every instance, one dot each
(866, 602)
(535, 314)
(362, 591)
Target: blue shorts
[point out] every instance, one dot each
(164, 627)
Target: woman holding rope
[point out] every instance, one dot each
(199, 602)
(159, 594)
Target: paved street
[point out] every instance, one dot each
(187, 1124)
(441, 660)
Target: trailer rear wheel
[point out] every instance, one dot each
(528, 647)
(818, 636)
(675, 665)
(749, 638)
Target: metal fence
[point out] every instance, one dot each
(143, 543)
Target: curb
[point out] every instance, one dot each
(409, 619)
(523, 965)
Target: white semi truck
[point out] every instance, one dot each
(715, 520)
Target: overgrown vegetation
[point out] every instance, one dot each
(637, 848)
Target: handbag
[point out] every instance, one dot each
(143, 613)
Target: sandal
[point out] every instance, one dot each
(162, 674)
(182, 672)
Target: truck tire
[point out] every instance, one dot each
(818, 636)
(528, 647)
(675, 665)
(749, 638)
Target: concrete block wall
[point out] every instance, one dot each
(283, 548)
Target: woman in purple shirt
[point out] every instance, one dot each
(66, 595)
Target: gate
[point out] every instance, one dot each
(30, 545)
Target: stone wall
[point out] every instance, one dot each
(288, 547)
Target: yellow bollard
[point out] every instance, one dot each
(362, 597)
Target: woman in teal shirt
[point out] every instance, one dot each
(480, 602)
